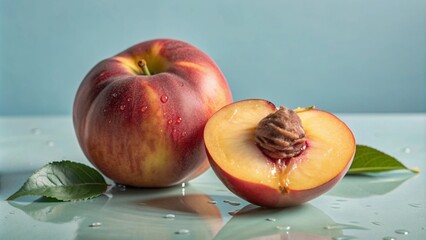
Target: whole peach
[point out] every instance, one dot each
(139, 115)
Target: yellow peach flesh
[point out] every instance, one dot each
(231, 144)
(331, 146)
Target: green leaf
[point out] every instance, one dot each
(65, 181)
(370, 160)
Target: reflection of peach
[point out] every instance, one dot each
(296, 223)
(141, 213)
(237, 158)
(194, 203)
(197, 204)
(133, 214)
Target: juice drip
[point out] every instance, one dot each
(281, 167)
(284, 168)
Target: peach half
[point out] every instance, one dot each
(240, 162)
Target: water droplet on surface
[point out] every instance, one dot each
(164, 98)
(184, 134)
(35, 131)
(342, 226)
(121, 187)
(232, 203)
(415, 205)
(283, 228)
(50, 143)
(114, 94)
(271, 219)
(170, 121)
(212, 202)
(122, 107)
(389, 238)
(406, 150)
(402, 231)
(182, 231)
(129, 99)
(344, 238)
(95, 224)
(329, 227)
(178, 120)
(170, 216)
(235, 212)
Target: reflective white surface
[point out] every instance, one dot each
(381, 206)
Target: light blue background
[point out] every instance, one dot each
(342, 56)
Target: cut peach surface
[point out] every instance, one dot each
(230, 142)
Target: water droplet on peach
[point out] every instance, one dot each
(164, 98)
(183, 134)
(170, 121)
(178, 120)
(129, 99)
(122, 107)
(114, 94)
(144, 108)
